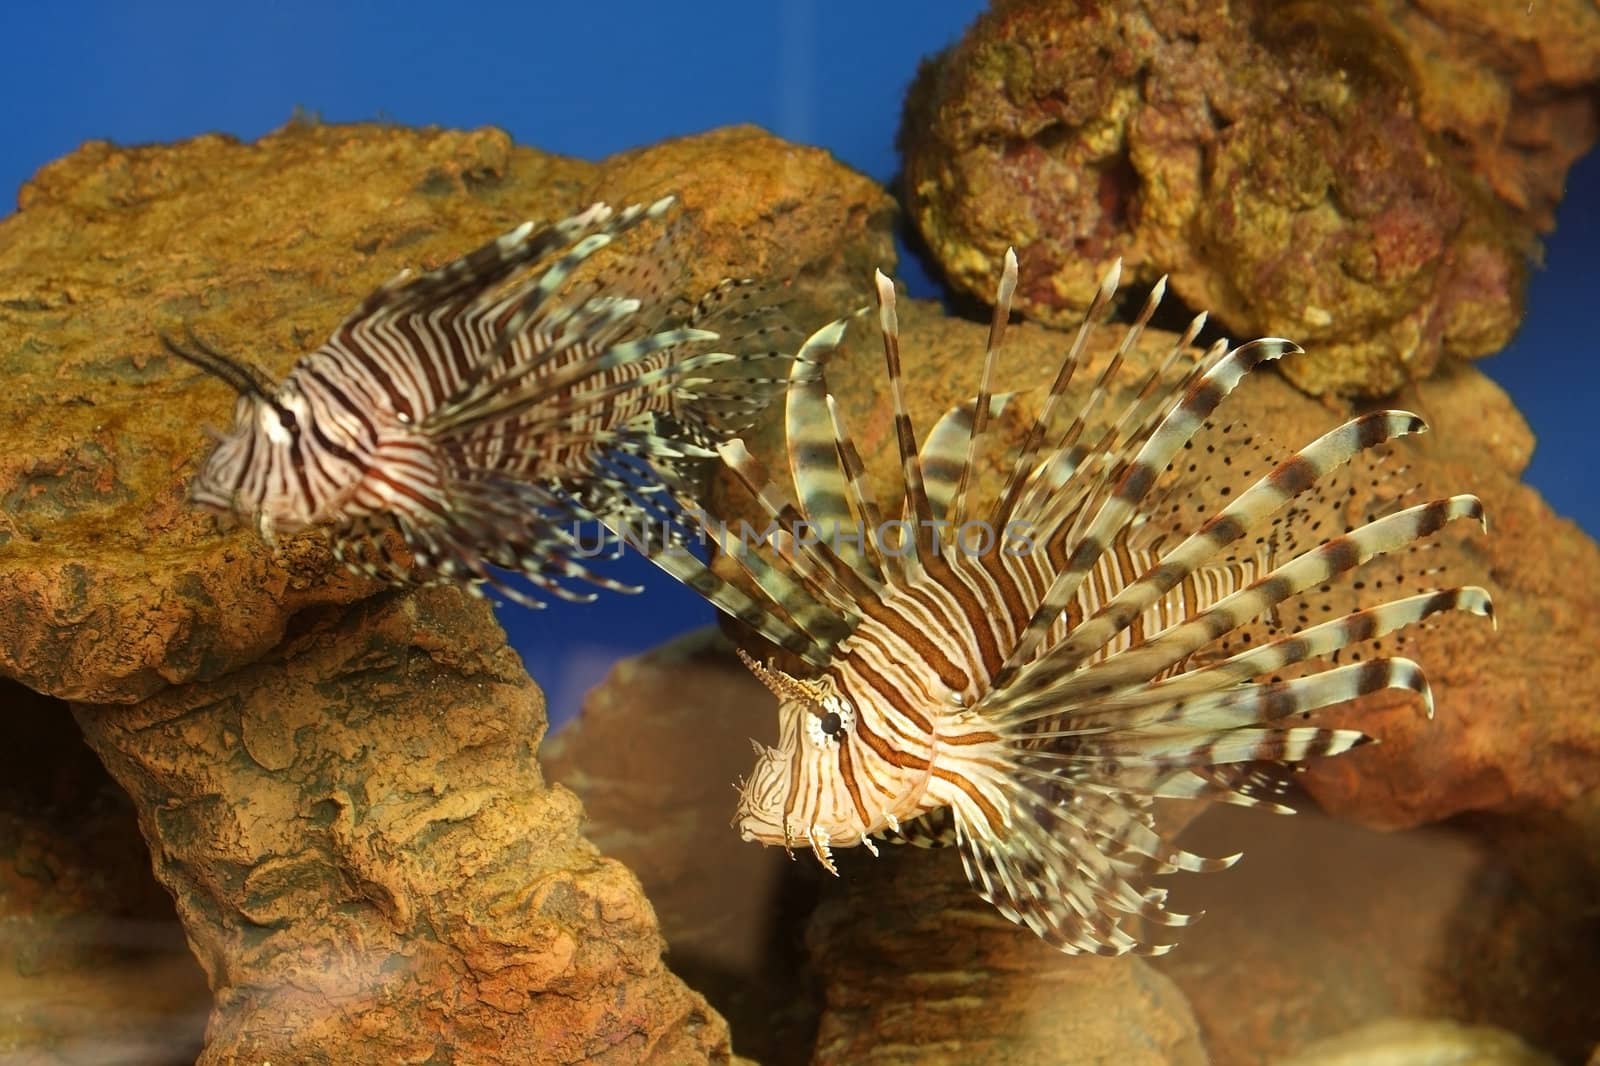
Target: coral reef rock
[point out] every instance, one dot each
(1368, 179)
(1419, 1042)
(338, 783)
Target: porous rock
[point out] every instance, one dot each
(110, 585)
(370, 867)
(340, 791)
(1367, 179)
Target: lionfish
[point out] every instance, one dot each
(1024, 677)
(483, 408)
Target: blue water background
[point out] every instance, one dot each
(591, 80)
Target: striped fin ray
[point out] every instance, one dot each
(539, 550)
(1027, 456)
(1137, 420)
(876, 567)
(458, 283)
(755, 607)
(754, 324)
(561, 385)
(916, 506)
(1188, 726)
(1282, 484)
(825, 573)
(1102, 385)
(981, 407)
(1041, 690)
(814, 462)
(804, 594)
(1301, 646)
(1180, 423)
(946, 457)
(1058, 880)
(517, 311)
(574, 415)
(1100, 810)
(1243, 743)
(1067, 487)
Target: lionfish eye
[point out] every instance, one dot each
(829, 720)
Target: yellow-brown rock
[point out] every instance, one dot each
(370, 867)
(1368, 179)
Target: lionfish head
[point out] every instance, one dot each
(250, 472)
(821, 786)
(796, 795)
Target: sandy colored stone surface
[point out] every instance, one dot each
(1418, 1042)
(1367, 179)
(370, 867)
(1325, 927)
(653, 757)
(110, 585)
(94, 968)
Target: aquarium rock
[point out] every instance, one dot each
(1369, 180)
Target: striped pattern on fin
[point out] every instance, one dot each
(1181, 421)
(814, 463)
(945, 456)
(917, 510)
(981, 406)
(1042, 688)
(1028, 454)
(1282, 484)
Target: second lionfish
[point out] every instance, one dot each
(482, 409)
(1023, 676)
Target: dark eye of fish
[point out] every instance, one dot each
(832, 724)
